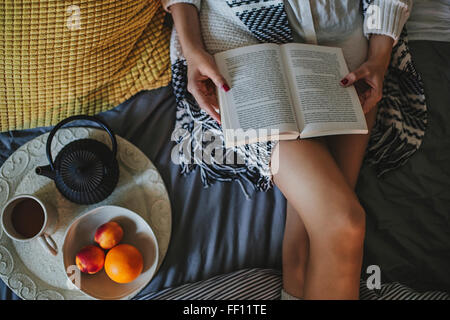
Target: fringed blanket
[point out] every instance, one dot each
(398, 132)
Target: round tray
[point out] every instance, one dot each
(29, 270)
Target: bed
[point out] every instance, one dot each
(218, 234)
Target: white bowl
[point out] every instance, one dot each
(136, 232)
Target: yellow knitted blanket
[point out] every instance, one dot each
(60, 58)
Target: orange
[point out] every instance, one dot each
(123, 263)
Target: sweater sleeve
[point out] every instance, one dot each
(167, 3)
(386, 17)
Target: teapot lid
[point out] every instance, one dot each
(85, 172)
(81, 167)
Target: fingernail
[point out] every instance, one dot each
(226, 87)
(344, 81)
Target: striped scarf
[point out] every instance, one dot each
(397, 134)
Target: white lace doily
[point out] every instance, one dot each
(27, 268)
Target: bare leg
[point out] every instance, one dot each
(315, 187)
(295, 253)
(348, 151)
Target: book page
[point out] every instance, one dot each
(322, 106)
(259, 97)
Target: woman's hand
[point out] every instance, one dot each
(368, 81)
(203, 74)
(368, 78)
(203, 78)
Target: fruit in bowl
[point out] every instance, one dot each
(123, 263)
(136, 232)
(108, 235)
(90, 259)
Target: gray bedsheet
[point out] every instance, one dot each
(217, 230)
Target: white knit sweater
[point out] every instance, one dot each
(222, 30)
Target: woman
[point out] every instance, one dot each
(325, 224)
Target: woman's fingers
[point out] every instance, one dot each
(354, 76)
(362, 98)
(205, 102)
(203, 78)
(202, 87)
(213, 73)
(368, 85)
(372, 98)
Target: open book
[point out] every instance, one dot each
(282, 92)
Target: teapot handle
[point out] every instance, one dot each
(74, 118)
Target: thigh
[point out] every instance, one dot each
(349, 150)
(311, 180)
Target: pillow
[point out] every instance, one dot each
(59, 59)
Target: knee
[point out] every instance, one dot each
(346, 230)
(342, 231)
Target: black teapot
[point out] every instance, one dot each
(85, 171)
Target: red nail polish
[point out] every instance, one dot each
(344, 81)
(226, 87)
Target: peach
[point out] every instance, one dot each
(108, 235)
(90, 259)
